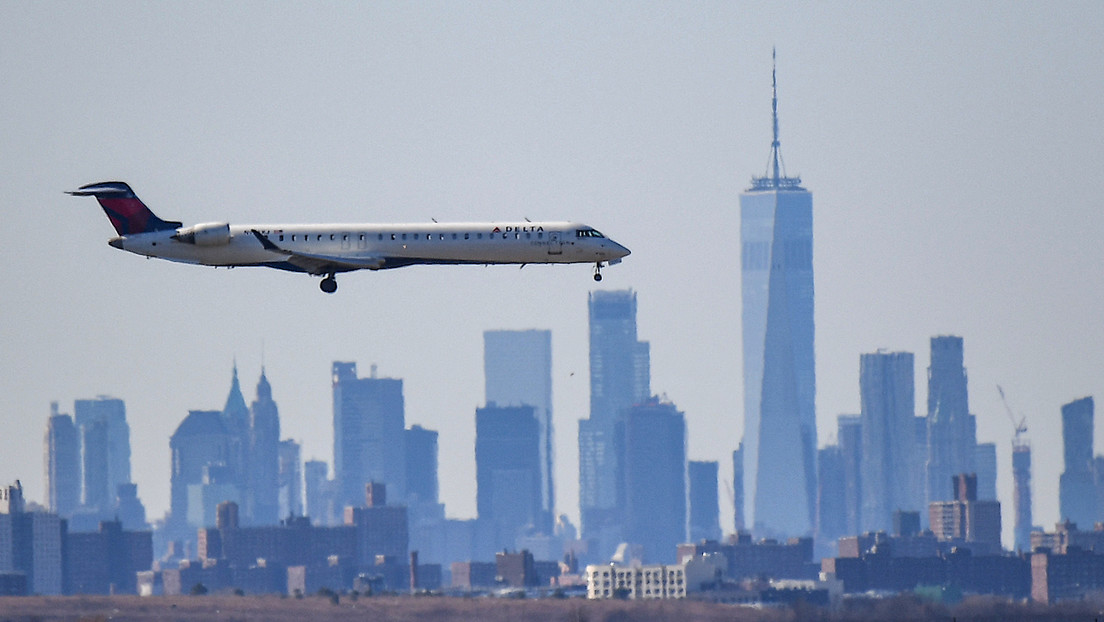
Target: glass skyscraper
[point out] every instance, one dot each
(369, 422)
(776, 231)
(518, 371)
(1076, 488)
(619, 378)
(890, 468)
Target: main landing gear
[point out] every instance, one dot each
(598, 271)
(328, 284)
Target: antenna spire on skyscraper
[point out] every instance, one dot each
(775, 144)
(775, 177)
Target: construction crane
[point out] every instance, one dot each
(1021, 426)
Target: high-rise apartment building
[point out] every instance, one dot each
(888, 438)
(507, 470)
(1076, 489)
(952, 436)
(63, 472)
(369, 422)
(967, 518)
(849, 436)
(518, 371)
(105, 449)
(1021, 493)
(776, 265)
(619, 378)
(263, 471)
(705, 509)
(651, 442)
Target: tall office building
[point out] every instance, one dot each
(619, 378)
(321, 494)
(31, 543)
(738, 488)
(235, 418)
(888, 400)
(199, 442)
(849, 435)
(651, 443)
(776, 231)
(105, 449)
(1021, 493)
(368, 434)
(1076, 489)
(705, 509)
(63, 483)
(831, 497)
(952, 437)
(507, 470)
(518, 371)
(421, 465)
(985, 466)
(290, 480)
(263, 473)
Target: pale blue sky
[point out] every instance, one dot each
(953, 150)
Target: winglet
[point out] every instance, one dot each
(125, 210)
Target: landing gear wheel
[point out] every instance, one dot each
(598, 271)
(328, 285)
(597, 276)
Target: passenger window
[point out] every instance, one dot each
(454, 236)
(479, 236)
(404, 236)
(319, 238)
(281, 237)
(540, 235)
(331, 236)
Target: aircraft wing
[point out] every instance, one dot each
(322, 264)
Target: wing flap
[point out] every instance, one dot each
(323, 264)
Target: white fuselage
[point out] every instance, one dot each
(378, 246)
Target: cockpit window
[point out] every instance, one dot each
(588, 233)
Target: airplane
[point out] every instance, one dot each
(328, 249)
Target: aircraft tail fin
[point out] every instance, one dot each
(125, 210)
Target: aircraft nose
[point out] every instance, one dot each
(116, 243)
(619, 250)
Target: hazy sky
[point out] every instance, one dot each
(954, 151)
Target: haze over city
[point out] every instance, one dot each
(953, 152)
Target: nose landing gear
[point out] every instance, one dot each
(598, 271)
(328, 284)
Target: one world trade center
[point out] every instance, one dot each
(776, 231)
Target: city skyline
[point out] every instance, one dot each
(953, 151)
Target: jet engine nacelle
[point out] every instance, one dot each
(205, 234)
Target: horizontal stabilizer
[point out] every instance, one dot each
(125, 210)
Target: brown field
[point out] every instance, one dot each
(402, 609)
(429, 609)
